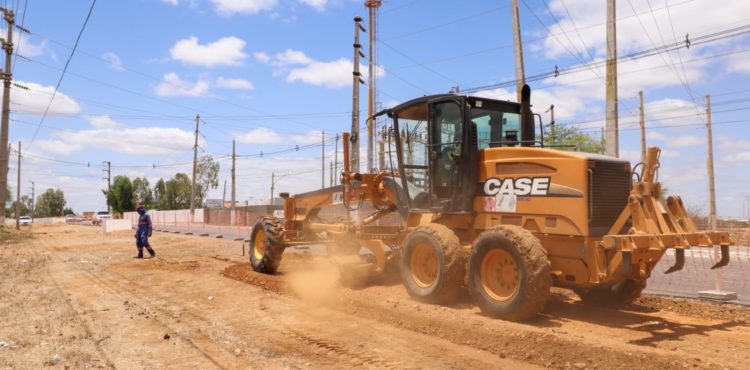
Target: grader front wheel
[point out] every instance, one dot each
(432, 266)
(509, 273)
(266, 245)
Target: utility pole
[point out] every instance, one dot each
(643, 127)
(336, 161)
(195, 170)
(323, 159)
(613, 144)
(331, 173)
(518, 50)
(710, 168)
(273, 181)
(108, 170)
(551, 111)
(18, 189)
(224, 194)
(373, 7)
(356, 81)
(233, 217)
(32, 199)
(4, 126)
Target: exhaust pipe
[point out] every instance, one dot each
(527, 118)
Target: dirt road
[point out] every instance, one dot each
(73, 297)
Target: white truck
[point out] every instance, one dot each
(100, 216)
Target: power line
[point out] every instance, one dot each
(62, 75)
(716, 36)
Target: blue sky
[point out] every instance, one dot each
(273, 74)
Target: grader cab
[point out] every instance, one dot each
(470, 198)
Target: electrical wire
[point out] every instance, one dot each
(62, 75)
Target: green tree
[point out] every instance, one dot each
(50, 204)
(572, 138)
(25, 209)
(177, 192)
(160, 194)
(68, 211)
(120, 196)
(142, 193)
(207, 177)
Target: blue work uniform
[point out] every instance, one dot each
(142, 233)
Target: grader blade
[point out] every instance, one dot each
(679, 254)
(724, 257)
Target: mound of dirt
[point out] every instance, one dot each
(244, 273)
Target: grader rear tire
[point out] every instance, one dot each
(432, 266)
(509, 273)
(614, 296)
(266, 245)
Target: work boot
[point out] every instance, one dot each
(151, 252)
(140, 255)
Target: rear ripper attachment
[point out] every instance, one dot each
(652, 228)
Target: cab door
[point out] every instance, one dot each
(448, 154)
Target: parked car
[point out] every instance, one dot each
(70, 218)
(101, 215)
(25, 221)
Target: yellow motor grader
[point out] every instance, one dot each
(471, 199)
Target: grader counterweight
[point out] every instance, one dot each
(470, 199)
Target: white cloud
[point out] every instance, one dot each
(265, 136)
(738, 157)
(173, 2)
(234, 83)
(173, 85)
(57, 147)
(334, 74)
(589, 15)
(113, 60)
(224, 51)
(291, 57)
(37, 97)
(259, 136)
(231, 7)
(319, 5)
(25, 47)
(102, 122)
(144, 141)
(687, 140)
(262, 57)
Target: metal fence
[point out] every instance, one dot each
(697, 275)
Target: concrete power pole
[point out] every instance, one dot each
(643, 127)
(710, 167)
(32, 199)
(356, 81)
(18, 190)
(612, 142)
(336, 162)
(233, 217)
(323, 159)
(373, 7)
(195, 170)
(4, 126)
(518, 48)
(109, 181)
(273, 182)
(551, 111)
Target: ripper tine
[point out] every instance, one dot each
(679, 263)
(724, 257)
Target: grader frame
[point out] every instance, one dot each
(508, 259)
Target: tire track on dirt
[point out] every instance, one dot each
(112, 288)
(82, 322)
